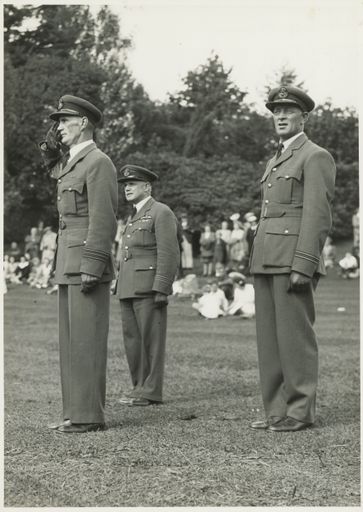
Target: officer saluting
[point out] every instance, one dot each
(297, 189)
(149, 263)
(87, 204)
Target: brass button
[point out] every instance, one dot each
(274, 169)
(267, 201)
(287, 176)
(126, 246)
(70, 188)
(130, 224)
(269, 185)
(286, 230)
(58, 198)
(128, 236)
(59, 181)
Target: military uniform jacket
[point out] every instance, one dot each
(297, 190)
(150, 253)
(87, 204)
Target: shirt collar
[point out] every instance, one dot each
(286, 143)
(141, 203)
(78, 147)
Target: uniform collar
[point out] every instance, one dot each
(288, 142)
(141, 203)
(78, 147)
(72, 161)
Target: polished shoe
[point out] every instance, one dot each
(264, 424)
(142, 402)
(55, 426)
(289, 425)
(80, 428)
(125, 400)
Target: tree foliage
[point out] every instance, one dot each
(208, 145)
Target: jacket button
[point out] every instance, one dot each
(128, 236)
(126, 246)
(274, 169)
(286, 230)
(70, 188)
(267, 201)
(130, 224)
(269, 185)
(59, 181)
(58, 198)
(287, 176)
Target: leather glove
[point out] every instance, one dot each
(52, 149)
(160, 300)
(88, 283)
(299, 283)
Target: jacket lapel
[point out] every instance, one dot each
(76, 159)
(144, 209)
(288, 153)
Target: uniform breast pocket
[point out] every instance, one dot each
(287, 185)
(70, 197)
(144, 233)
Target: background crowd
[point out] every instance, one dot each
(212, 252)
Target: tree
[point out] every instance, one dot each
(209, 97)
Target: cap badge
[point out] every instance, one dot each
(60, 104)
(283, 93)
(126, 172)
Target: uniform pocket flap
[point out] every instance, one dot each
(76, 187)
(144, 265)
(77, 237)
(283, 226)
(287, 174)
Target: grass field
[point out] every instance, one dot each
(197, 448)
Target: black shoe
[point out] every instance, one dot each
(289, 425)
(80, 428)
(265, 424)
(142, 402)
(55, 426)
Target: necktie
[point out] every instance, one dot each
(280, 147)
(134, 211)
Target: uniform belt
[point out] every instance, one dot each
(136, 252)
(274, 211)
(73, 222)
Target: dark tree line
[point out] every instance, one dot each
(207, 143)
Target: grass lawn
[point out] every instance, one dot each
(197, 448)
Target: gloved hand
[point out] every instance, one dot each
(88, 283)
(298, 283)
(160, 300)
(52, 149)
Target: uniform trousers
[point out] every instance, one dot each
(144, 333)
(287, 348)
(83, 332)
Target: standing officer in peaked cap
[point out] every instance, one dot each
(149, 263)
(87, 204)
(297, 190)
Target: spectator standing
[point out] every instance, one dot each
(207, 242)
(186, 246)
(355, 224)
(32, 243)
(48, 244)
(238, 246)
(220, 255)
(226, 235)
